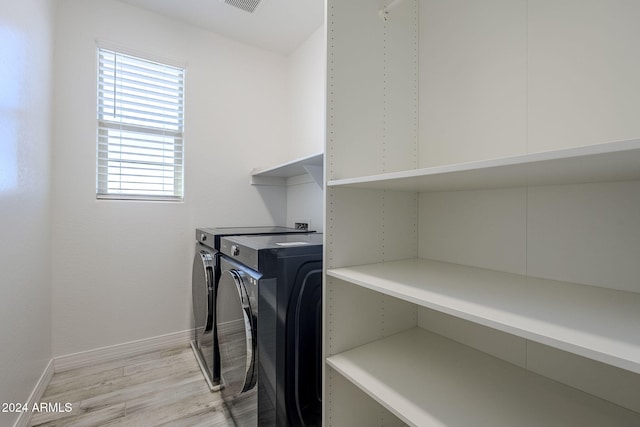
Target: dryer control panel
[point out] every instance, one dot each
(240, 253)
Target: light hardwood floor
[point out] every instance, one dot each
(162, 388)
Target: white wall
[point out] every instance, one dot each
(307, 96)
(121, 269)
(305, 203)
(25, 85)
(307, 106)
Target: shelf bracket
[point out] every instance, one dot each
(316, 172)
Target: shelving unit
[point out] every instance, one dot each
(485, 245)
(438, 382)
(603, 326)
(278, 175)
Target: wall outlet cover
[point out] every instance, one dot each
(301, 224)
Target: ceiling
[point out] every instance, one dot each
(277, 25)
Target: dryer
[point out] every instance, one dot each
(269, 325)
(204, 281)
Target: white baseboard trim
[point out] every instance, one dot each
(133, 348)
(36, 395)
(99, 355)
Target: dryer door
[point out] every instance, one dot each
(236, 325)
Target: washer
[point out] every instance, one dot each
(269, 326)
(204, 281)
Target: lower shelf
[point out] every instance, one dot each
(428, 380)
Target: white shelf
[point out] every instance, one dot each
(598, 323)
(277, 175)
(616, 161)
(427, 380)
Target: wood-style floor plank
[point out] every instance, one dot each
(161, 388)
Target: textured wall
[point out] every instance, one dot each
(122, 269)
(25, 230)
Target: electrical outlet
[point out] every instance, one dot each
(301, 224)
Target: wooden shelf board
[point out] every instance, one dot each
(428, 380)
(598, 323)
(616, 161)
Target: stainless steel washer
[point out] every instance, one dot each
(205, 278)
(237, 323)
(269, 312)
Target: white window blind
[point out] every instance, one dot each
(140, 128)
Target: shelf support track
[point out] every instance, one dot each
(384, 12)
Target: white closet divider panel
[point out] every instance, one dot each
(370, 226)
(357, 87)
(429, 381)
(366, 318)
(354, 408)
(598, 323)
(400, 97)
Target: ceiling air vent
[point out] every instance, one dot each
(246, 5)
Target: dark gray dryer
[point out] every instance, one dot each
(269, 324)
(205, 278)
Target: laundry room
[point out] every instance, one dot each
(82, 273)
(435, 204)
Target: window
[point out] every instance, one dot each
(140, 127)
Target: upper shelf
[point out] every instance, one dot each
(615, 161)
(598, 323)
(277, 175)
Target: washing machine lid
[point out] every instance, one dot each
(211, 236)
(236, 326)
(247, 249)
(270, 242)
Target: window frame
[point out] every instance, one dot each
(155, 135)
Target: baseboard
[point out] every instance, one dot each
(133, 348)
(36, 395)
(99, 355)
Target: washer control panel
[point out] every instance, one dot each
(240, 253)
